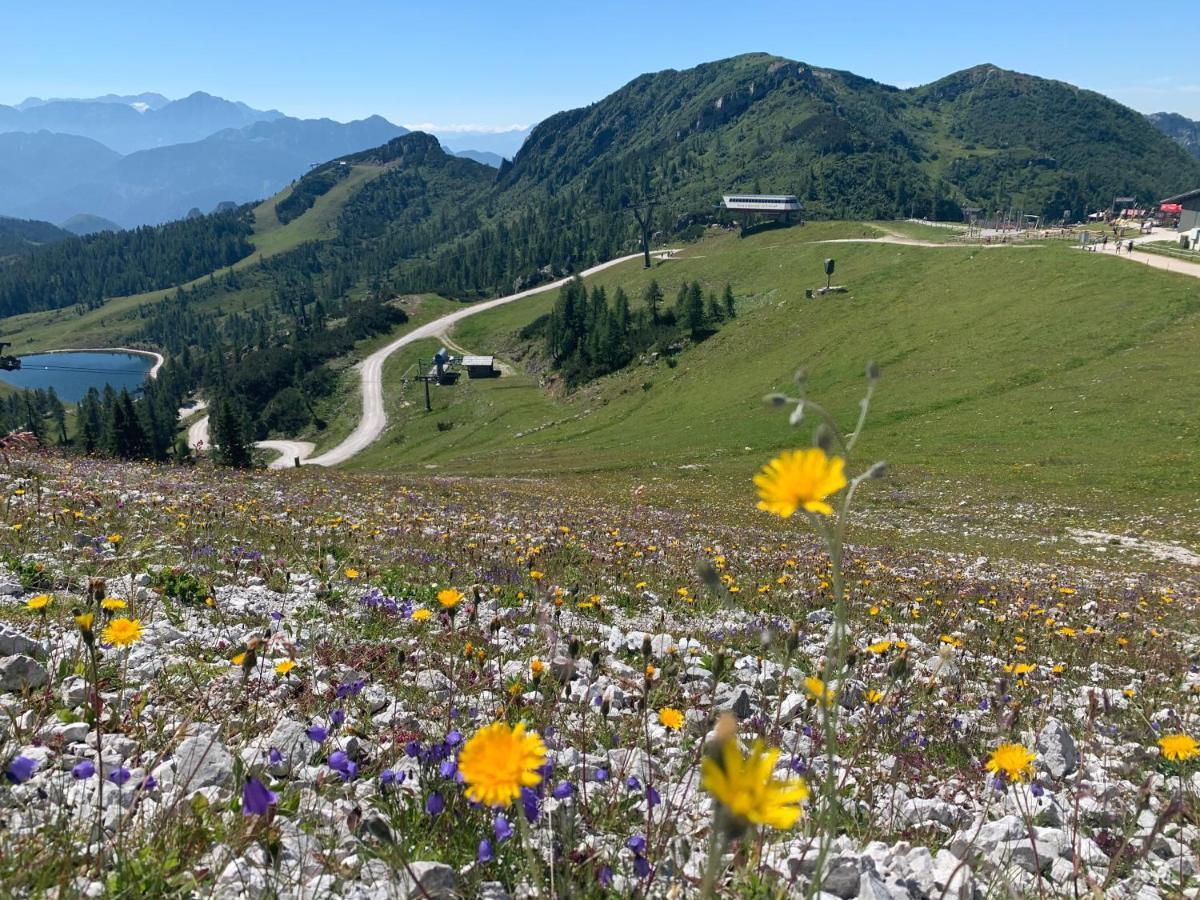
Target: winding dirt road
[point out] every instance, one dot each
(374, 418)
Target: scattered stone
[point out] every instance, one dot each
(437, 880)
(1056, 749)
(202, 761)
(13, 643)
(20, 672)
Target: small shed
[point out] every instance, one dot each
(1189, 209)
(480, 366)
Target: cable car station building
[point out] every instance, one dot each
(773, 206)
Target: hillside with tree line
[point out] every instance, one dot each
(671, 142)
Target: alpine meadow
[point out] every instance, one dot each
(765, 482)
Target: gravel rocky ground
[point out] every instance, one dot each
(290, 637)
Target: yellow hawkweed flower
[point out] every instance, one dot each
(536, 575)
(351, 573)
(112, 603)
(799, 478)
(1178, 747)
(499, 760)
(670, 718)
(239, 659)
(85, 621)
(122, 632)
(421, 615)
(536, 668)
(748, 788)
(880, 647)
(449, 598)
(872, 696)
(41, 601)
(817, 690)
(114, 539)
(1013, 760)
(284, 666)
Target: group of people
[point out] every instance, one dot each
(1119, 245)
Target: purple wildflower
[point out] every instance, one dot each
(256, 798)
(316, 734)
(337, 717)
(652, 798)
(562, 790)
(120, 775)
(20, 769)
(486, 853)
(84, 770)
(502, 828)
(435, 804)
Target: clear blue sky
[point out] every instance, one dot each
(498, 64)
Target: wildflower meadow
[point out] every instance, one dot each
(309, 684)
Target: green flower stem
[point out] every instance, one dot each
(716, 852)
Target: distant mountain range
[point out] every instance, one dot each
(141, 159)
(500, 144)
(129, 124)
(75, 175)
(1184, 131)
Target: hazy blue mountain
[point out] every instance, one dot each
(234, 164)
(34, 165)
(481, 156)
(1182, 130)
(23, 235)
(125, 129)
(148, 100)
(85, 223)
(503, 143)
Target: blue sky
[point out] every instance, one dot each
(496, 64)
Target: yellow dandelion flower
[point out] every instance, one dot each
(536, 668)
(122, 632)
(536, 575)
(112, 604)
(670, 718)
(748, 788)
(115, 539)
(284, 666)
(421, 615)
(817, 690)
(873, 696)
(879, 647)
(85, 621)
(41, 601)
(499, 760)
(239, 659)
(799, 478)
(1178, 747)
(1014, 761)
(449, 598)
(351, 573)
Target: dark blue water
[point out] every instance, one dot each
(71, 374)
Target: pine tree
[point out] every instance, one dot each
(58, 415)
(229, 434)
(89, 422)
(653, 298)
(730, 309)
(694, 311)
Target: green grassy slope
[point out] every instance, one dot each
(1013, 369)
(112, 323)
